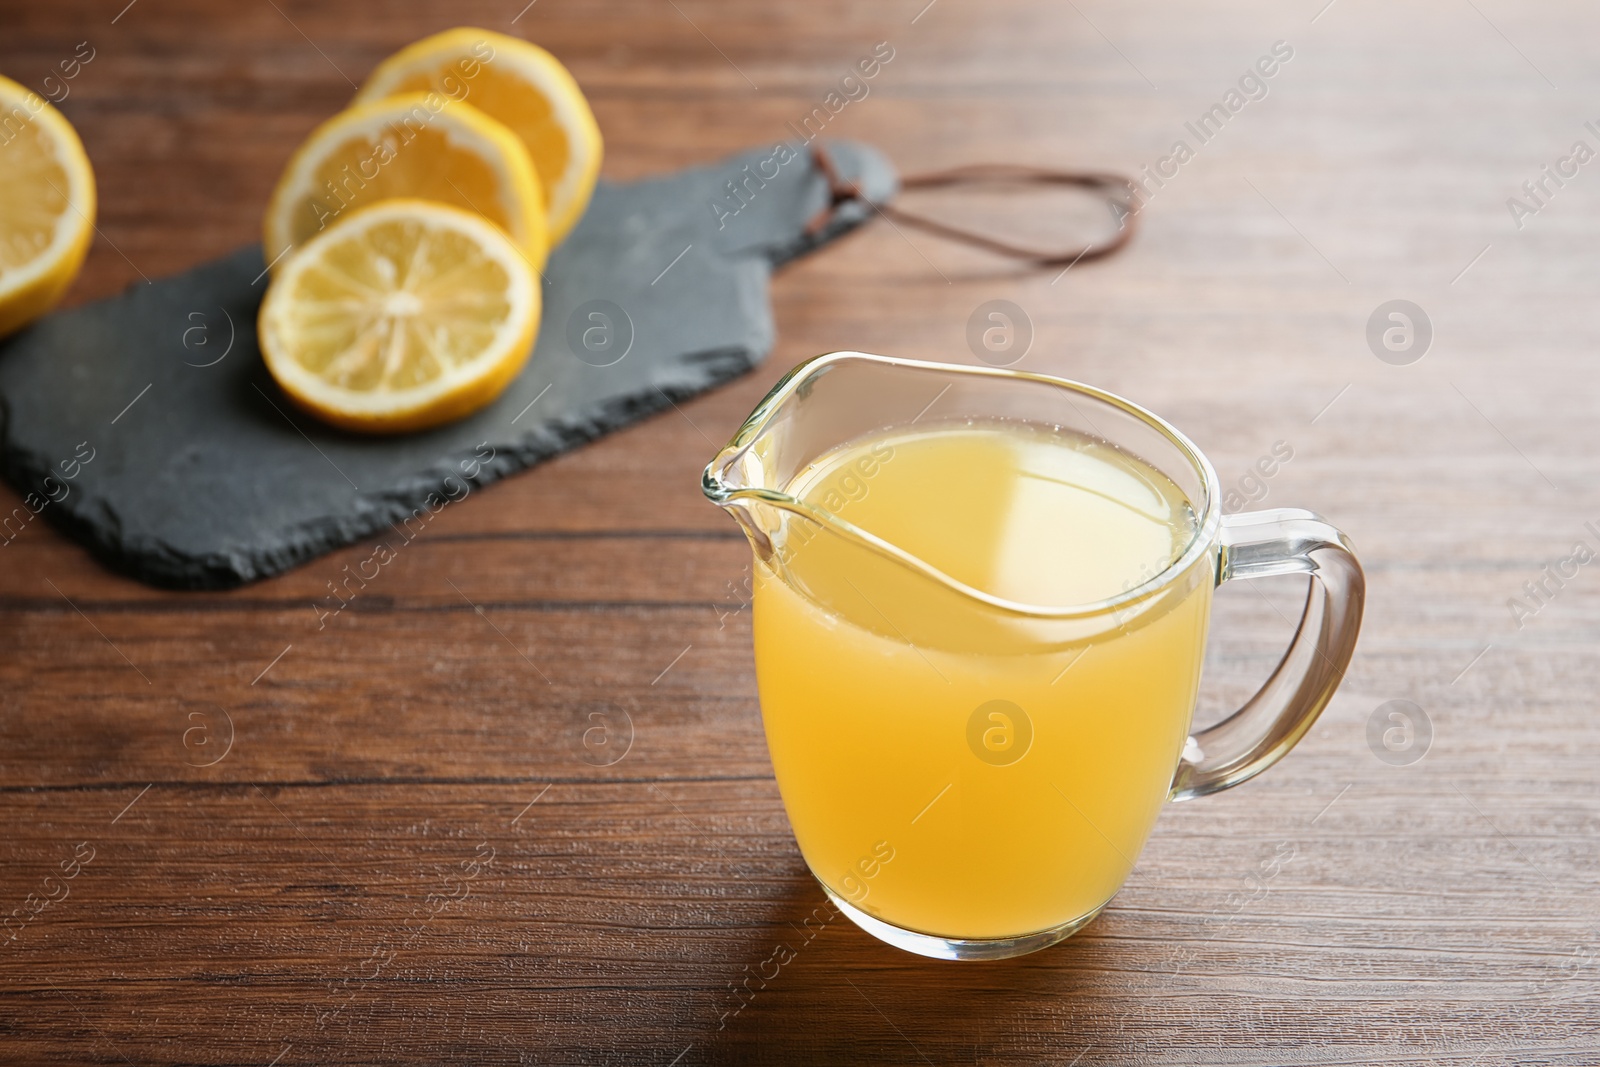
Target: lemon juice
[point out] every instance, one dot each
(976, 767)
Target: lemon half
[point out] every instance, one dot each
(47, 205)
(418, 145)
(522, 86)
(400, 316)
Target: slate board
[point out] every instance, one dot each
(201, 475)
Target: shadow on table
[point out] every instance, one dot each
(825, 991)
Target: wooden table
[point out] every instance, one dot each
(410, 854)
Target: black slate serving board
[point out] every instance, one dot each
(147, 427)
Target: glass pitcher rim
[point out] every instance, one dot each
(1206, 531)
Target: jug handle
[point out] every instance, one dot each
(1255, 545)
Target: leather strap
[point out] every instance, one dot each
(1118, 190)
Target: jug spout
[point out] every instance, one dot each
(734, 481)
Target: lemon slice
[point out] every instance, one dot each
(522, 86)
(46, 205)
(400, 316)
(418, 145)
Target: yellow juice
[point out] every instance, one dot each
(948, 766)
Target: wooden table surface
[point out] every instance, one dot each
(407, 852)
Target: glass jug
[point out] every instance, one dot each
(971, 776)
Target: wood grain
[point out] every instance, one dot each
(406, 852)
